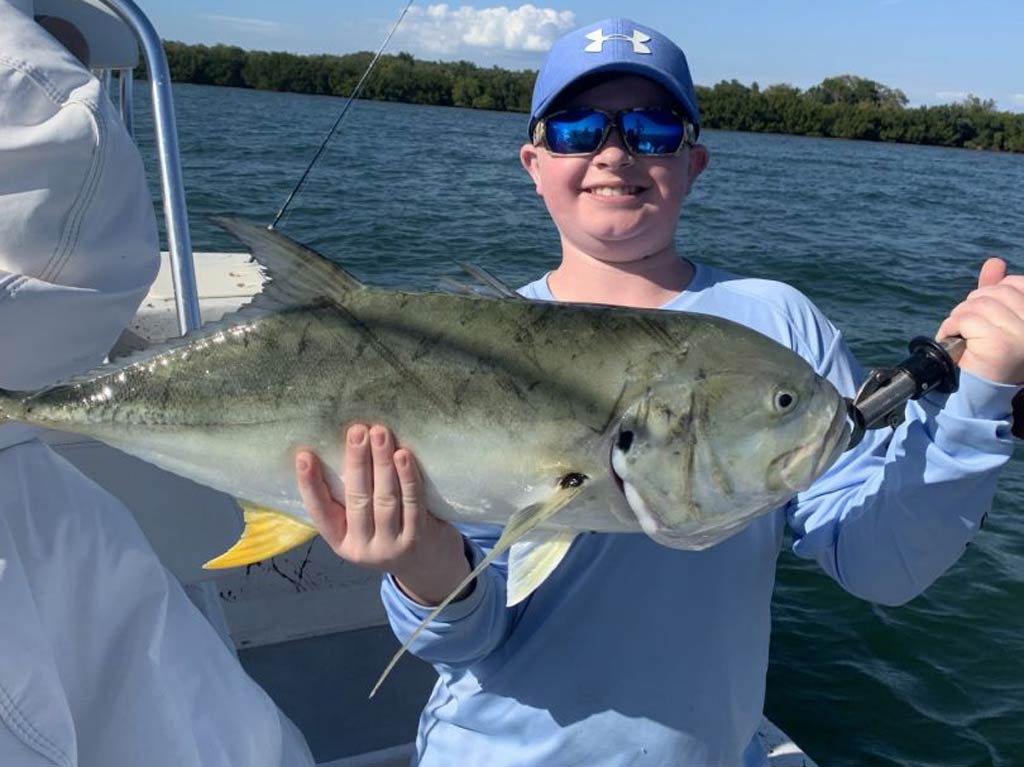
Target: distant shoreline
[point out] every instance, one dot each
(846, 106)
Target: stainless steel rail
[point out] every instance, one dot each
(172, 187)
(126, 80)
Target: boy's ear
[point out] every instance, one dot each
(699, 158)
(529, 156)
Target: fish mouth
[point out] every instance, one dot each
(800, 467)
(839, 435)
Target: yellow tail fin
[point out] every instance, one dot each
(267, 533)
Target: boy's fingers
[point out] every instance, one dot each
(358, 477)
(949, 327)
(387, 504)
(412, 492)
(327, 514)
(992, 271)
(1009, 291)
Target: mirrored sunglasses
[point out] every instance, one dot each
(646, 132)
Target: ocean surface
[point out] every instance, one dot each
(886, 239)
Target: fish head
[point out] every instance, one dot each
(698, 460)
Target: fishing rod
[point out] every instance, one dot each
(931, 366)
(352, 97)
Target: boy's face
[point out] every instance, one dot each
(622, 227)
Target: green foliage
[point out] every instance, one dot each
(856, 108)
(841, 107)
(856, 91)
(397, 77)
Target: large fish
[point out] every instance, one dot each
(550, 419)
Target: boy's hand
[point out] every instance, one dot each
(384, 523)
(991, 321)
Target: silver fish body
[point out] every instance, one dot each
(684, 426)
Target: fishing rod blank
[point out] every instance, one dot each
(352, 97)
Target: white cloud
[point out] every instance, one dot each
(246, 24)
(1018, 98)
(952, 96)
(442, 29)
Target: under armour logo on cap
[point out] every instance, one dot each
(635, 49)
(598, 39)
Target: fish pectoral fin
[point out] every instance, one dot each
(267, 533)
(532, 559)
(521, 523)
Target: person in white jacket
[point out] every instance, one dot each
(103, 659)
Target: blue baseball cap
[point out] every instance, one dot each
(614, 45)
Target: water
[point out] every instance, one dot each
(884, 238)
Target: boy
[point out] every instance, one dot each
(632, 653)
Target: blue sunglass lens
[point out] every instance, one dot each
(652, 131)
(578, 131)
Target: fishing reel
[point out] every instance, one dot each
(882, 399)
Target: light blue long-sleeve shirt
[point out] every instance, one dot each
(632, 653)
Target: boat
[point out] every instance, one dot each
(307, 626)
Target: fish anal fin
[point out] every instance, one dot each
(267, 533)
(532, 559)
(521, 523)
(298, 276)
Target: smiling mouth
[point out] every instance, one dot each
(615, 191)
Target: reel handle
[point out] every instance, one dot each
(932, 365)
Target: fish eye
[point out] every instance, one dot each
(783, 401)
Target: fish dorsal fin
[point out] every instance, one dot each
(532, 559)
(459, 288)
(488, 280)
(298, 275)
(521, 523)
(484, 284)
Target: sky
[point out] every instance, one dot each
(935, 51)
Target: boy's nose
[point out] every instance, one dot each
(613, 153)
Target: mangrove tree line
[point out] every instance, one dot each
(839, 107)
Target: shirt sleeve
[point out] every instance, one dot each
(465, 631)
(896, 512)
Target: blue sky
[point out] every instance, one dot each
(936, 51)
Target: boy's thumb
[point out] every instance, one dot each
(992, 272)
